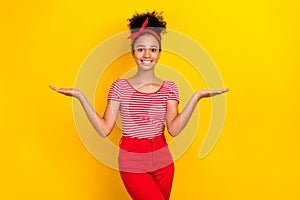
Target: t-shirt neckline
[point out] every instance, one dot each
(161, 86)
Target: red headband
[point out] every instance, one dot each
(133, 36)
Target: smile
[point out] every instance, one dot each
(146, 61)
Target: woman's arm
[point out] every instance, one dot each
(103, 125)
(175, 121)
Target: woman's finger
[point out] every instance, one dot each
(55, 89)
(217, 92)
(68, 92)
(52, 87)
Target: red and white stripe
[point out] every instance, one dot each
(143, 114)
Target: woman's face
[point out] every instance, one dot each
(146, 51)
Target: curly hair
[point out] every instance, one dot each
(156, 23)
(155, 20)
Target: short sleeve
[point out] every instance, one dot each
(173, 92)
(115, 91)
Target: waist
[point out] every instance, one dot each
(143, 144)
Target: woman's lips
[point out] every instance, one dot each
(146, 61)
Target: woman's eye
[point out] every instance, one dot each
(153, 50)
(140, 49)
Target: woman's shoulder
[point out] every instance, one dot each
(170, 83)
(119, 81)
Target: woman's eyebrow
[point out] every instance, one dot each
(140, 45)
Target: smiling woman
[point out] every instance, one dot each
(146, 103)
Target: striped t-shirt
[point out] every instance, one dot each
(142, 114)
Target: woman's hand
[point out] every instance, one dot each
(103, 125)
(67, 91)
(209, 93)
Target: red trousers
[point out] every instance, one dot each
(146, 168)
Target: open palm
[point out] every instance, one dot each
(210, 93)
(66, 91)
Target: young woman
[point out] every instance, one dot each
(146, 103)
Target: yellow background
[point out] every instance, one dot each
(255, 45)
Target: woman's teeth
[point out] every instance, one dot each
(146, 61)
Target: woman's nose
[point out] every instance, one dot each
(146, 53)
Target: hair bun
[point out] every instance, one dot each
(155, 20)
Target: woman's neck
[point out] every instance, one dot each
(145, 76)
